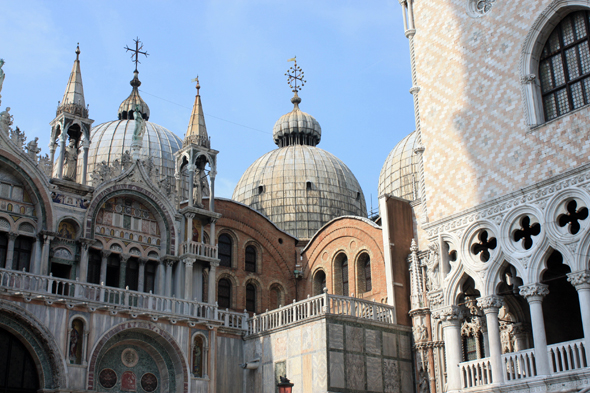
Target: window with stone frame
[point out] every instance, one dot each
(250, 259)
(224, 293)
(564, 67)
(225, 250)
(23, 246)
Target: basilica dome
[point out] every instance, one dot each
(400, 173)
(299, 186)
(112, 139)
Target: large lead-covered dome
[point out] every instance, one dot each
(400, 173)
(110, 141)
(298, 186)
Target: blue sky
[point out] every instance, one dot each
(354, 54)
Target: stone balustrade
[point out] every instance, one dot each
(324, 304)
(567, 356)
(101, 297)
(519, 365)
(476, 373)
(199, 249)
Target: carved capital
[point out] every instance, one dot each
(191, 167)
(105, 253)
(143, 261)
(189, 262)
(12, 236)
(86, 243)
(189, 215)
(214, 264)
(125, 258)
(580, 279)
(534, 292)
(415, 89)
(448, 314)
(490, 303)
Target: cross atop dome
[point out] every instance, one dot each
(136, 52)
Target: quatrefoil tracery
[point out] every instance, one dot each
(526, 232)
(484, 246)
(573, 217)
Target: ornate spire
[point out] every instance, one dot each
(197, 130)
(134, 101)
(296, 127)
(73, 100)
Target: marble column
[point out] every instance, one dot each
(534, 294)
(191, 179)
(581, 281)
(211, 298)
(189, 227)
(141, 278)
(161, 278)
(52, 145)
(212, 191)
(169, 264)
(10, 251)
(188, 278)
(44, 270)
(85, 165)
(123, 270)
(103, 266)
(35, 256)
(83, 273)
(491, 306)
(451, 324)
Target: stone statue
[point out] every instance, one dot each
(139, 126)
(71, 161)
(126, 160)
(5, 121)
(33, 149)
(2, 74)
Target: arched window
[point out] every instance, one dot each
(319, 283)
(345, 276)
(199, 357)
(94, 261)
(19, 374)
(250, 259)
(363, 273)
(250, 298)
(275, 297)
(564, 67)
(76, 341)
(225, 250)
(224, 293)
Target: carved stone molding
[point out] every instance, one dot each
(534, 292)
(528, 78)
(448, 314)
(490, 303)
(435, 299)
(580, 279)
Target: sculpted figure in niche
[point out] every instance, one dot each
(71, 161)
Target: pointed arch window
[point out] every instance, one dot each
(225, 250)
(251, 298)
(224, 293)
(250, 259)
(564, 67)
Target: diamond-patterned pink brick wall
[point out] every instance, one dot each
(478, 146)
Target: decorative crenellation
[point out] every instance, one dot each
(492, 302)
(497, 209)
(534, 292)
(580, 280)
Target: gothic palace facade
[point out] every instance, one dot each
(121, 271)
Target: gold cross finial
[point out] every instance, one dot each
(136, 52)
(295, 75)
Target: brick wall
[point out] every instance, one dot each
(478, 144)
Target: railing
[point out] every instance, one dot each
(567, 356)
(476, 373)
(101, 296)
(200, 249)
(519, 365)
(320, 305)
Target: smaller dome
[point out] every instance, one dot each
(400, 173)
(297, 128)
(134, 100)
